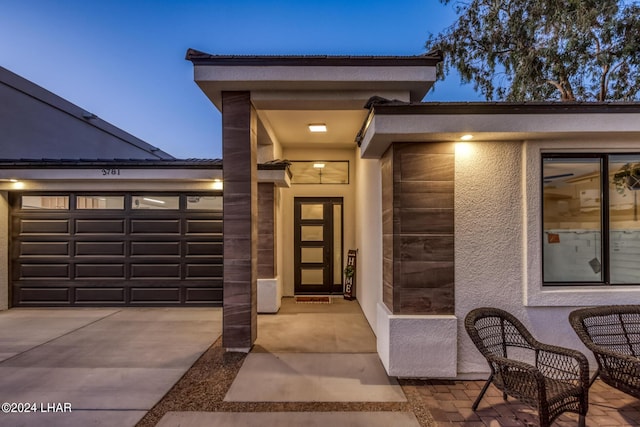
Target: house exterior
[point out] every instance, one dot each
(522, 216)
(326, 154)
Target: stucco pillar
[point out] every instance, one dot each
(4, 250)
(240, 200)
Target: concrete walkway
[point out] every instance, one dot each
(309, 353)
(96, 367)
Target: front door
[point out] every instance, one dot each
(318, 245)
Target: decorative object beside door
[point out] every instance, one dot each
(350, 275)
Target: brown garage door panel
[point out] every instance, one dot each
(155, 248)
(204, 295)
(42, 295)
(99, 248)
(100, 271)
(43, 271)
(43, 226)
(204, 271)
(91, 295)
(167, 271)
(100, 226)
(204, 248)
(155, 226)
(204, 226)
(44, 249)
(141, 295)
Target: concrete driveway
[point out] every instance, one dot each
(96, 367)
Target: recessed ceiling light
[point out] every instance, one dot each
(466, 137)
(318, 127)
(13, 180)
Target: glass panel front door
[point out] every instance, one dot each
(318, 245)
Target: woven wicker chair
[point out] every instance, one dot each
(551, 379)
(612, 333)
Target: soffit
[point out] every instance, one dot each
(384, 129)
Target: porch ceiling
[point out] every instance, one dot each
(290, 127)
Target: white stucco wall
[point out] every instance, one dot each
(4, 250)
(368, 234)
(498, 244)
(488, 237)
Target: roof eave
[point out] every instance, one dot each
(201, 58)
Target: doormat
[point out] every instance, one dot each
(313, 300)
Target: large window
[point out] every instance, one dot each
(590, 219)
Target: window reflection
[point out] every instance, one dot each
(210, 203)
(100, 202)
(624, 227)
(45, 202)
(319, 172)
(155, 202)
(572, 220)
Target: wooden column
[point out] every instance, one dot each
(266, 231)
(417, 227)
(239, 143)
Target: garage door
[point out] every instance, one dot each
(116, 249)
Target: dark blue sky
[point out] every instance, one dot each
(123, 60)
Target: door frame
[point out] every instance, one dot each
(329, 286)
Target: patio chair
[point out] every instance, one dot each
(612, 333)
(551, 379)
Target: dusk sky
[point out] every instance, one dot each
(123, 60)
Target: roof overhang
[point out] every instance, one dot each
(431, 122)
(366, 74)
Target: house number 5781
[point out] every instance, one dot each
(107, 172)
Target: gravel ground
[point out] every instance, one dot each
(204, 385)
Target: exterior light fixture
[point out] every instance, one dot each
(317, 127)
(467, 137)
(13, 180)
(217, 184)
(463, 149)
(318, 165)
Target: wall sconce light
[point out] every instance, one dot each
(318, 165)
(317, 127)
(466, 137)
